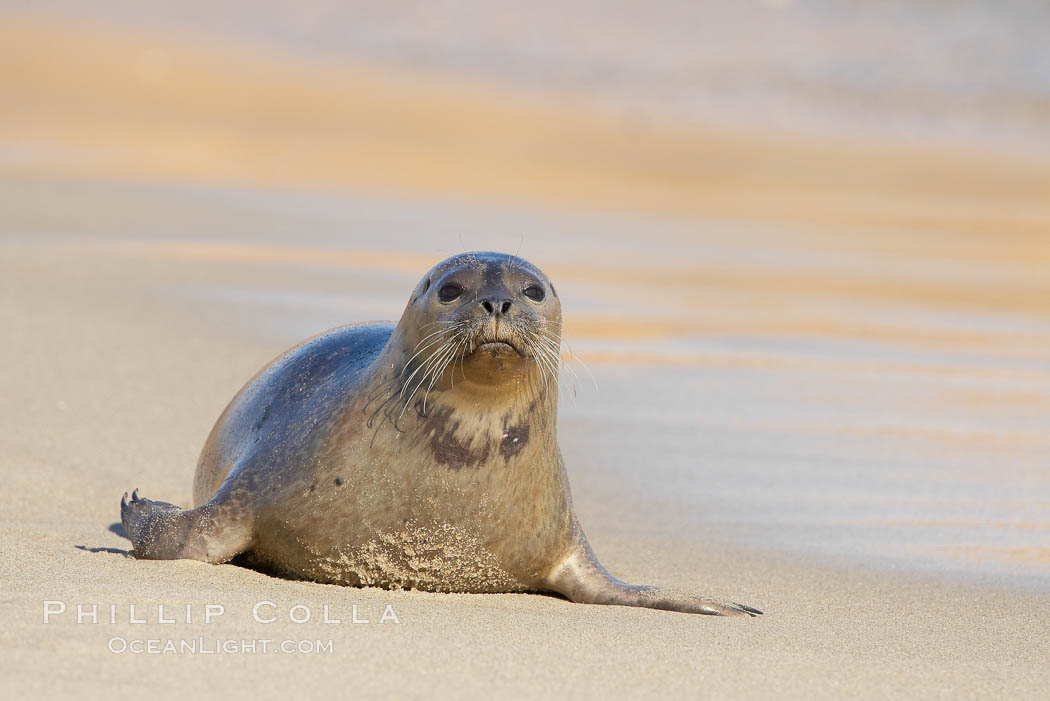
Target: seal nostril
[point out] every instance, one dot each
(496, 307)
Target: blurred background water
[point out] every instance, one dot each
(928, 69)
(803, 247)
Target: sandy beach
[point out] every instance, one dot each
(813, 376)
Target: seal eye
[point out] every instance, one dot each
(449, 292)
(535, 293)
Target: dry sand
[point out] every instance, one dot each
(132, 238)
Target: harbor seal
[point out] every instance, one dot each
(416, 455)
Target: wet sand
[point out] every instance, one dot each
(821, 383)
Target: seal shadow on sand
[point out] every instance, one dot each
(117, 528)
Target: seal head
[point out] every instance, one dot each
(480, 324)
(497, 315)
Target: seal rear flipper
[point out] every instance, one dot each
(214, 532)
(582, 579)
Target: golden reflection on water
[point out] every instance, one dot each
(745, 319)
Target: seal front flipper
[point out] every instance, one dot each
(582, 579)
(214, 532)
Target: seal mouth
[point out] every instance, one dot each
(494, 347)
